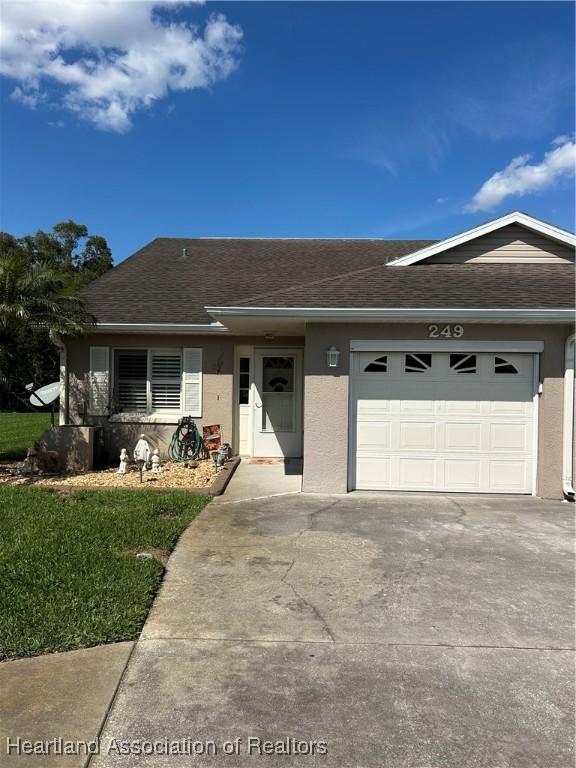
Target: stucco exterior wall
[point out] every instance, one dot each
(217, 384)
(326, 395)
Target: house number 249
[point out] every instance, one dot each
(447, 331)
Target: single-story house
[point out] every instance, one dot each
(402, 365)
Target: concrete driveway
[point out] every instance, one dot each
(402, 631)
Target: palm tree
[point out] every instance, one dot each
(33, 300)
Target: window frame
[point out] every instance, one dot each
(453, 371)
(150, 411)
(426, 371)
(498, 367)
(242, 374)
(381, 363)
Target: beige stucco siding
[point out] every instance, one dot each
(217, 382)
(513, 244)
(326, 396)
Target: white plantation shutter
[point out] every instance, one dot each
(166, 379)
(99, 381)
(192, 382)
(131, 377)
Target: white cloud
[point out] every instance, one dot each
(106, 59)
(441, 200)
(522, 178)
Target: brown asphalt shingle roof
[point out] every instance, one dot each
(464, 286)
(158, 285)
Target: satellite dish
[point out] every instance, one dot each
(45, 395)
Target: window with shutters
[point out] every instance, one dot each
(147, 381)
(165, 380)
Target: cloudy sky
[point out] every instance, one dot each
(284, 119)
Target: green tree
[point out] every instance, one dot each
(95, 258)
(39, 278)
(31, 302)
(69, 234)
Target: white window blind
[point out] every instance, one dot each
(148, 381)
(165, 380)
(132, 380)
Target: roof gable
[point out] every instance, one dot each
(542, 241)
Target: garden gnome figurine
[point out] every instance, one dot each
(123, 462)
(142, 451)
(156, 461)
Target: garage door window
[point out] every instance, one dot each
(418, 362)
(463, 363)
(504, 366)
(380, 365)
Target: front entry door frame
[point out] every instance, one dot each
(274, 443)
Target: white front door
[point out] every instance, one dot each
(440, 421)
(277, 403)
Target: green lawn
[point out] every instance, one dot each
(18, 431)
(68, 572)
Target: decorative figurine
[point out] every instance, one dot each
(156, 461)
(123, 462)
(48, 462)
(142, 452)
(30, 464)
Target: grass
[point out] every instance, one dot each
(68, 570)
(18, 431)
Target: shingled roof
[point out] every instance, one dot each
(158, 284)
(173, 280)
(435, 286)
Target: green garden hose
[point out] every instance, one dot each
(186, 442)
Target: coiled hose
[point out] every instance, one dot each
(186, 442)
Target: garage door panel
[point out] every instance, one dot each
(463, 436)
(374, 473)
(463, 474)
(444, 430)
(506, 476)
(463, 407)
(371, 408)
(374, 435)
(418, 435)
(415, 406)
(509, 437)
(509, 408)
(417, 472)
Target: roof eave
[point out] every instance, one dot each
(335, 314)
(174, 328)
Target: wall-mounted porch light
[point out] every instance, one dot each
(332, 357)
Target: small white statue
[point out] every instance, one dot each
(142, 451)
(156, 461)
(123, 462)
(30, 464)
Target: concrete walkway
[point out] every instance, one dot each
(403, 631)
(255, 480)
(60, 695)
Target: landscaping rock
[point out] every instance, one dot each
(173, 475)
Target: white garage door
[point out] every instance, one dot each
(442, 421)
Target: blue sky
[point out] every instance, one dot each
(309, 119)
